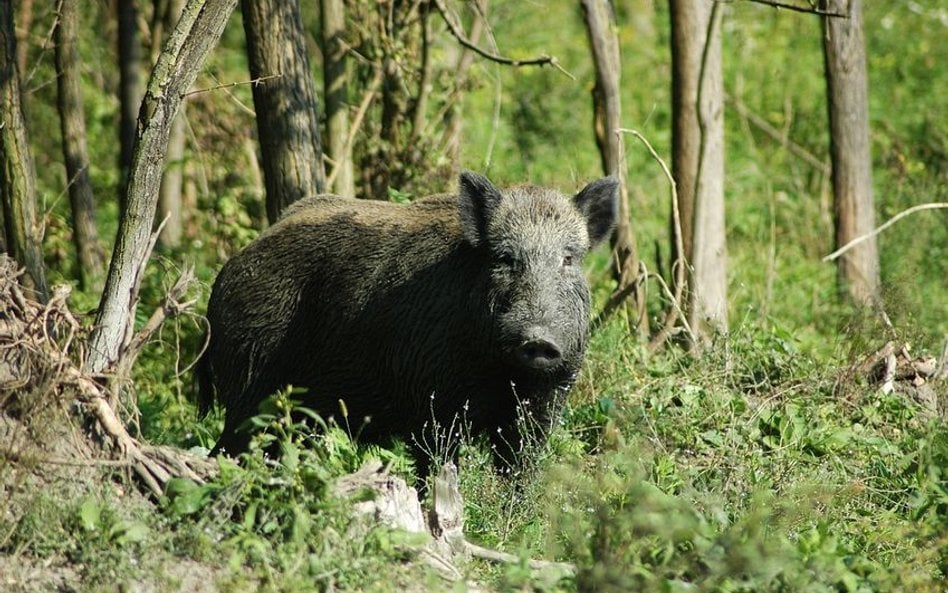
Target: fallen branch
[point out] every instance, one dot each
(395, 504)
(887, 224)
(503, 557)
(893, 369)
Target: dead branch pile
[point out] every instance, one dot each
(40, 368)
(894, 369)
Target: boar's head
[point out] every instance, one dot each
(534, 241)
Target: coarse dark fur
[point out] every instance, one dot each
(455, 310)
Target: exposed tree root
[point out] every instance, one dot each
(39, 354)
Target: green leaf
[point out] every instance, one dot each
(128, 532)
(186, 496)
(290, 456)
(301, 525)
(90, 514)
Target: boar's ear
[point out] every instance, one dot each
(598, 202)
(477, 198)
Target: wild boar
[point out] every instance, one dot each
(467, 310)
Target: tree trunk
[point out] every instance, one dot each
(3, 227)
(642, 16)
(698, 158)
(72, 121)
(197, 31)
(847, 85)
(419, 109)
(454, 126)
(130, 88)
(601, 29)
(26, 23)
(170, 207)
(336, 91)
(22, 227)
(286, 105)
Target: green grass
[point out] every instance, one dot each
(758, 468)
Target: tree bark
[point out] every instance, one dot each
(22, 226)
(130, 88)
(698, 158)
(197, 31)
(601, 30)
(286, 105)
(336, 91)
(170, 207)
(89, 257)
(847, 85)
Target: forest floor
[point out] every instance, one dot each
(751, 467)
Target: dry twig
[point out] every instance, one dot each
(228, 85)
(356, 123)
(464, 41)
(793, 7)
(763, 125)
(679, 266)
(884, 226)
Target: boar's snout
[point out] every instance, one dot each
(538, 351)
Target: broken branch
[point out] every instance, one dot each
(887, 224)
(464, 41)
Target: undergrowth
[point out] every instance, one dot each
(752, 467)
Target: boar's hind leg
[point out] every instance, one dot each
(232, 442)
(235, 438)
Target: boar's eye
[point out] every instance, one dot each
(567, 260)
(506, 259)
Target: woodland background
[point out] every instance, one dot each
(800, 445)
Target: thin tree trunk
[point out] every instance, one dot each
(642, 16)
(130, 87)
(25, 24)
(455, 123)
(286, 105)
(22, 227)
(197, 31)
(698, 158)
(336, 91)
(170, 206)
(687, 44)
(3, 229)
(72, 121)
(420, 107)
(601, 29)
(847, 85)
